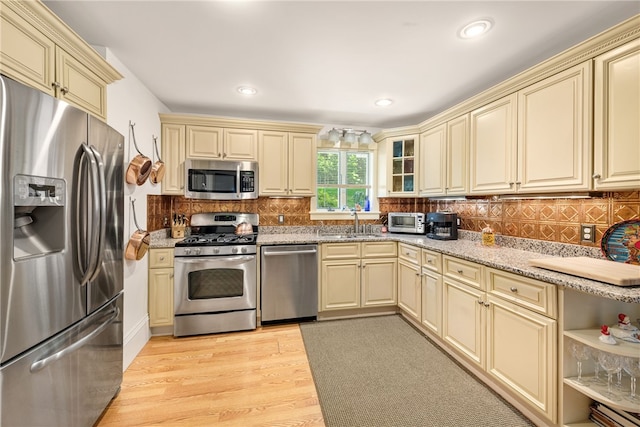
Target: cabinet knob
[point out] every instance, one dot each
(64, 90)
(511, 184)
(486, 304)
(55, 85)
(171, 276)
(162, 258)
(480, 302)
(513, 289)
(460, 271)
(596, 176)
(518, 182)
(429, 261)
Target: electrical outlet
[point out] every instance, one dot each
(281, 219)
(587, 233)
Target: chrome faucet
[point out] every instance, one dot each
(356, 224)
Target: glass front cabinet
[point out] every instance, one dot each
(400, 165)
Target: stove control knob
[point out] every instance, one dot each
(244, 250)
(216, 250)
(187, 251)
(234, 250)
(197, 251)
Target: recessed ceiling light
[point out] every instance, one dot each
(247, 90)
(385, 102)
(475, 29)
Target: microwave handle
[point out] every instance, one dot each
(238, 182)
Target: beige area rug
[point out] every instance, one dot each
(381, 372)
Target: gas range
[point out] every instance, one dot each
(215, 234)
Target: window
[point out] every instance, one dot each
(344, 179)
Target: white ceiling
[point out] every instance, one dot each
(327, 62)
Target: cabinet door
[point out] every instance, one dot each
(340, 284)
(433, 161)
(26, 54)
(240, 144)
(463, 323)
(403, 157)
(273, 163)
(79, 85)
(492, 144)
(617, 108)
(409, 291)
(173, 151)
(457, 176)
(554, 132)
(161, 297)
(432, 302)
(302, 164)
(204, 142)
(379, 278)
(521, 353)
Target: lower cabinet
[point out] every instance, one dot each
(355, 275)
(409, 280)
(506, 325)
(161, 287)
(432, 291)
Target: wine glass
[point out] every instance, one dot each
(611, 363)
(580, 352)
(593, 354)
(631, 366)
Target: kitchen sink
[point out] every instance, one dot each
(348, 236)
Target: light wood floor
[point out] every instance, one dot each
(255, 378)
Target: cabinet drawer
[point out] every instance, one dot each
(341, 250)
(409, 253)
(379, 250)
(161, 258)
(530, 293)
(432, 260)
(464, 271)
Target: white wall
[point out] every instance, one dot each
(129, 100)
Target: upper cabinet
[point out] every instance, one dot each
(535, 140)
(616, 113)
(554, 132)
(39, 50)
(285, 152)
(398, 165)
(210, 142)
(444, 159)
(287, 163)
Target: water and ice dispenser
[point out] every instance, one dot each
(38, 215)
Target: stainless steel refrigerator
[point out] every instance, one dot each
(61, 251)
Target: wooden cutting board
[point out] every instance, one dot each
(615, 273)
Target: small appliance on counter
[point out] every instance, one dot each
(442, 225)
(406, 222)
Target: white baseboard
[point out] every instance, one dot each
(134, 341)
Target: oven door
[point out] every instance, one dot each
(214, 284)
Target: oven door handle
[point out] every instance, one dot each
(196, 260)
(274, 253)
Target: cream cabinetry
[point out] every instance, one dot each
(402, 160)
(357, 275)
(173, 155)
(160, 287)
(444, 159)
(616, 112)
(535, 140)
(39, 50)
(287, 163)
(210, 142)
(554, 132)
(409, 280)
(432, 291)
(503, 322)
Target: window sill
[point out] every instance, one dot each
(324, 215)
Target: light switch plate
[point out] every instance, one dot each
(588, 233)
(281, 219)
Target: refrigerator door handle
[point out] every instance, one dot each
(100, 197)
(43, 363)
(86, 245)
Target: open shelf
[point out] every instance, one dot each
(594, 392)
(590, 338)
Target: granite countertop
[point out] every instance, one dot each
(501, 257)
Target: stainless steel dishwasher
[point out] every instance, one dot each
(288, 283)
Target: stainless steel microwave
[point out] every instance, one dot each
(406, 222)
(220, 180)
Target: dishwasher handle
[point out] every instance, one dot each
(294, 252)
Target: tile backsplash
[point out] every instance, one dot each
(556, 220)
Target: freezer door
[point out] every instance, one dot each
(108, 146)
(69, 379)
